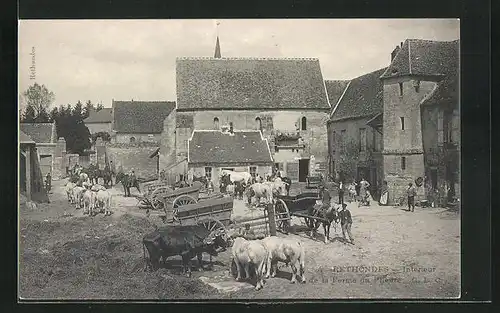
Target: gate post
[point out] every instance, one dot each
(272, 220)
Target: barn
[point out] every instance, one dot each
(30, 174)
(45, 137)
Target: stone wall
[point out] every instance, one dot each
(135, 157)
(199, 170)
(125, 138)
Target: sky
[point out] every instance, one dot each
(101, 60)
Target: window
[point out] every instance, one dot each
(253, 171)
(375, 142)
(132, 139)
(403, 163)
(402, 123)
(216, 123)
(258, 122)
(400, 89)
(303, 123)
(362, 139)
(334, 137)
(208, 173)
(341, 140)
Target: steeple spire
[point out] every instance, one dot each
(217, 45)
(217, 49)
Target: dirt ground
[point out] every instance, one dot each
(397, 254)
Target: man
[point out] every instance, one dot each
(412, 192)
(48, 182)
(248, 233)
(363, 188)
(341, 192)
(325, 197)
(210, 186)
(346, 221)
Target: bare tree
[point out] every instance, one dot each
(39, 98)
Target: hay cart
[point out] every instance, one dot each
(159, 196)
(300, 205)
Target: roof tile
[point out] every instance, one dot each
(39, 132)
(141, 116)
(335, 89)
(105, 115)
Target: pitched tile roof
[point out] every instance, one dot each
(105, 115)
(140, 116)
(218, 147)
(250, 83)
(335, 89)
(39, 132)
(424, 57)
(364, 96)
(23, 138)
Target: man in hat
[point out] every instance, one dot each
(325, 197)
(346, 222)
(411, 192)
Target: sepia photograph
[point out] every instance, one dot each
(233, 159)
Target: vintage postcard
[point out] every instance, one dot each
(239, 159)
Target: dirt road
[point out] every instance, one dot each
(396, 254)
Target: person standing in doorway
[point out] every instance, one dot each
(341, 192)
(412, 192)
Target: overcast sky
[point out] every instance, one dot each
(99, 60)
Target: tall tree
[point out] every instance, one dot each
(88, 108)
(39, 98)
(54, 113)
(29, 115)
(78, 111)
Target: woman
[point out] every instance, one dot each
(384, 194)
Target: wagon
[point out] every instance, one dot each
(160, 196)
(299, 205)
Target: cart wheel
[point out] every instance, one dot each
(281, 210)
(157, 199)
(213, 225)
(183, 200)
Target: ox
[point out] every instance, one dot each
(103, 201)
(289, 251)
(244, 177)
(248, 253)
(77, 195)
(88, 199)
(183, 240)
(260, 190)
(69, 191)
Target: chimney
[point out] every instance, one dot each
(394, 52)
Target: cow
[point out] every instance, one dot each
(69, 191)
(289, 251)
(88, 199)
(186, 241)
(238, 176)
(77, 196)
(82, 177)
(248, 253)
(327, 216)
(260, 190)
(103, 201)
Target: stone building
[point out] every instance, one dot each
(211, 151)
(283, 98)
(139, 121)
(99, 120)
(354, 129)
(45, 137)
(421, 118)
(30, 175)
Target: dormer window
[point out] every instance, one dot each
(216, 123)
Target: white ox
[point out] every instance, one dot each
(98, 187)
(244, 177)
(77, 195)
(103, 201)
(250, 253)
(69, 191)
(88, 199)
(289, 251)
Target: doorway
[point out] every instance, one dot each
(303, 169)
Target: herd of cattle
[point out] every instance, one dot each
(93, 198)
(253, 258)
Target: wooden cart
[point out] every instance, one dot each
(299, 205)
(162, 197)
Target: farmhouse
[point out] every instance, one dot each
(45, 137)
(355, 138)
(283, 98)
(211, 151)
(99, 120)
(402, 122)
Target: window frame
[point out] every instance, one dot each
(258, 120)
(402, 122)
(362, 143)
(403, 163)
(401, 89)
(216, 123)
(303, 123)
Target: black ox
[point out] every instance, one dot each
(186, 241)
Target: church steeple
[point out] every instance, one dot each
(217, 49)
